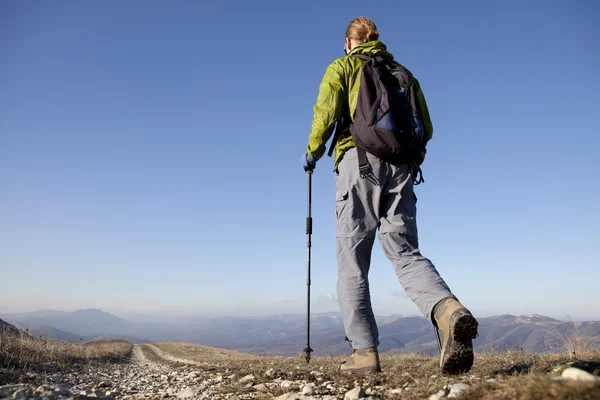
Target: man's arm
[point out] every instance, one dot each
(327, 110)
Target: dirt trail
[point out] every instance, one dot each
(137, 355)
(164, 356)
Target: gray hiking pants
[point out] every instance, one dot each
(385, 202)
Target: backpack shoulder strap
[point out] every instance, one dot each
(362, 56)
(341, 125)
(344, 122)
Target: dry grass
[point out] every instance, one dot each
(24, 352)
(514, 375)
(200, 353)
(574, 340)
(533, 387)
(517, 375)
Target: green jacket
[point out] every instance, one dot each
(340, 87)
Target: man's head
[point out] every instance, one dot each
(359, 31)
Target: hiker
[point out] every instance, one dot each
(379, 197)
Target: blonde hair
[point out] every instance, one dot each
(362, 30)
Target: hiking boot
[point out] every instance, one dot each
(362, 361)
(456, 329)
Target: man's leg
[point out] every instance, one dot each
(398, 236)
(356, 224)
(354, 259)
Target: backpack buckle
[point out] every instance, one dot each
(365, 170)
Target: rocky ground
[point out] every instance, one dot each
(151, 373)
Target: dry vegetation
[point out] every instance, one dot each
(23, 352)
(495, 375)
(574, 339)
(200, 353)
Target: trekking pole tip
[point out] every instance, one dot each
(307, 351)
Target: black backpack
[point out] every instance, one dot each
(387, 122)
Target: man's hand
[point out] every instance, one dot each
(308, 163)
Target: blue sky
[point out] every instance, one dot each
(149, 154)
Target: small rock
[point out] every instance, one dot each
(20, 394)
(270, 372)
(321, 390)
(395, 391)
(492, 380)
(579, 375)
(355, 394)
(438, 396)
(261, 387)
(7, 390)
(63, 387)
(104, 384)
(246, 378)
(457, 389)
(186, 393)
(308, 390)
(171, 391)
(288, 396)
(39, 389)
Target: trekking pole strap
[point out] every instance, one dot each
(417, 175)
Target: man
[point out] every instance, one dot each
(382, 201)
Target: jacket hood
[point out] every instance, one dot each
(371, 49)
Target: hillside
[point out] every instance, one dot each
(5, 327)
(183, 370)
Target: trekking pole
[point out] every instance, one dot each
(308, 350)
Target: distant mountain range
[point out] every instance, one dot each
(285, 334)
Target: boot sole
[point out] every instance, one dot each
(458, 358)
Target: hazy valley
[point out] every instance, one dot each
(286, 334)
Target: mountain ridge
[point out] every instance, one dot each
(285, 334)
